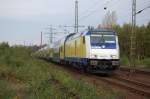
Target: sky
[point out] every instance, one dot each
(22, 21)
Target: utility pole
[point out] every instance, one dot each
(51, 34)
(41, 39)
(76, 17)
(133, 34)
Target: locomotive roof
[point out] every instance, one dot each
(88, 32)
(59, 42)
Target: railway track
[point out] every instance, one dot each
(124, 82)
(131, 85)
(134, 75)
(127, 78)
(120, 79)
(140, 71)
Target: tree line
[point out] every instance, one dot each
(142, 40)
(124, 33)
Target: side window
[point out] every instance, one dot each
(83, 39)
(61, 49)
(75, 42)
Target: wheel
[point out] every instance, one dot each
(83, 69)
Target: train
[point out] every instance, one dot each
(94, 51)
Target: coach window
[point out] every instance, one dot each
(61, 49)
(83, 39)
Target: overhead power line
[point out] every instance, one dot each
(95, 3)
(91, 12)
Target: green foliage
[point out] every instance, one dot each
(143, 63)
(146, 62)
(124, 61)
(142, 42)
(5, 91)
(84, 90)
(22, 76)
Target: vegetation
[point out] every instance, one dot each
(142, 54)
(142, 44)
(24, 77)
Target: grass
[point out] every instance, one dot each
(144, 63)
(23, 76)
(5, 91)
(124, 61)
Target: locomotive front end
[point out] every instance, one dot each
(104, 51)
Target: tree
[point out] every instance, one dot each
(110, 20)
(4, 45)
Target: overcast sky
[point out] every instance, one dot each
(23, 20)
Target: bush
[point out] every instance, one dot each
(124, 61)
(146, 63)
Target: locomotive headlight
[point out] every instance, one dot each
(113, 56)
(94, 56)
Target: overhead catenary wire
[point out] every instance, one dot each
(91, 12)
(85, 11)
(115, 3)
(88, 12)
(95, 10)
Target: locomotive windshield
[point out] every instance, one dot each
(103, 41)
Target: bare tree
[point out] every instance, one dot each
(110, 20)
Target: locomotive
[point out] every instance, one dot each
(94, 51)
